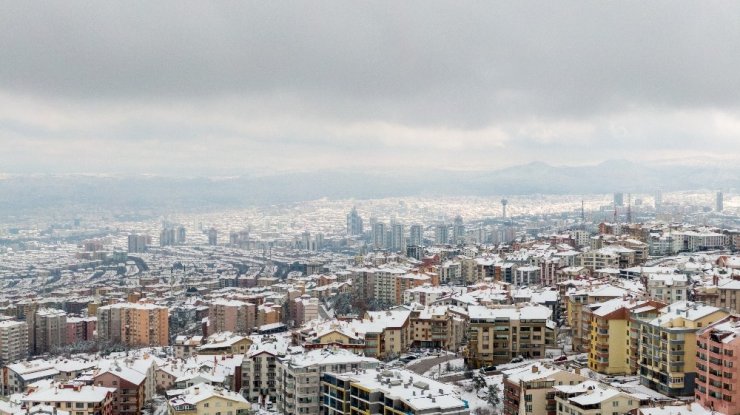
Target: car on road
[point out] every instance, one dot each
(408, 358)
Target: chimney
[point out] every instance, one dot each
(534, 368)
(196, 390)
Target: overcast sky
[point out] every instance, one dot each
(221, 88)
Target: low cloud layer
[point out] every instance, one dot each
(230, 88)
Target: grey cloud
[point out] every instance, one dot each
(409, 62)
(228, 87)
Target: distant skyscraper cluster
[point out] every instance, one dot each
(138, 243)
(172, 235)
(354, 223)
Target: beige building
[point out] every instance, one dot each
(74, 398)
(437, 327)
(530, 389)
(204, 399)
(667, 354)
(13, 341)
(231, 315)
(134, 324)
(497, 335)
(593, 398)
(260, 366)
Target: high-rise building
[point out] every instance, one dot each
(720, 205)
(180, 238)
(354, 223)
(168, 236)
(717, 347)
(212, 236)
(49, 331)
(442, 234)
(416, 235)
(379, 235)
(138, 243)
(658, 199)
(398, 237)
(134, 324)
(508, 322)
(13, 341)
(304, 373)
(668, 352)
(231, 315)
(619, 199)
(458, 230)
(504, 202)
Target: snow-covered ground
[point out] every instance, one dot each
(477, 399)
(451, 366)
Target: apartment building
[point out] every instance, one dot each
(428, 294)
(639, 316)
(593, 398)
(700, 240)
(579, 313)
(667, 355)
(668, 288)
(77, 399)
(723, 293)
(129, 388)
(260, 368)
(613, 256)
(13, 341)
(223, 343)
(409, 281)
(16, 377)
(387, 333)
(437, 327)
(496, 335)
(306, 309)
(299, 377)
(134, 324)
(529, 389)
(380, 391)
(80, 329)
(611, 340)
(527, 275)
(231, 315)
(49, 331)
(717, 381)
(204, 399)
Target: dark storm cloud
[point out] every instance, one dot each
(391, 79)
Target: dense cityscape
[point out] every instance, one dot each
(589, 304)
(331, 207)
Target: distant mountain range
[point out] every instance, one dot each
(24, 192)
